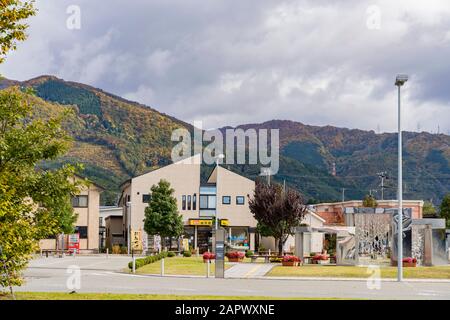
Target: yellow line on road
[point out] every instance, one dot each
(252, 271)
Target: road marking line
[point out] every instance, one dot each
(252, 271)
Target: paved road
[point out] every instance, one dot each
(99, 274)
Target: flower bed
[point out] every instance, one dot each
(321, 259)
(290, 261)
(208, 256)
(409, 262)
(235, 256)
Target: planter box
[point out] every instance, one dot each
(235, 259)
(323, 261)
(289, 263)
(409, 264)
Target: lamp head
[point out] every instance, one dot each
(401, 79)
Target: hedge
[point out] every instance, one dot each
(147, 260)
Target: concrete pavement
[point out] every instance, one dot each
(248, 270)
(102, 275)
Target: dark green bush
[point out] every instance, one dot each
(187, 254)
(248, 253)
(171, 254)
(147, 260)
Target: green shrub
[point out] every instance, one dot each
(147, 260)
(187, 254)
(248, 253)
(171, 254)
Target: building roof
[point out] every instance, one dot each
(195, 159)
(351, 202)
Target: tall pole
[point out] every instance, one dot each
(343, 194)
(400, 195)
(217, 175)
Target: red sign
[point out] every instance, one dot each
(74, 243)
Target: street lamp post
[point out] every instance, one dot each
(129, 228)
(399, 82)
(219, 157)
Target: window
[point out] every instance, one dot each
(240, 200)
(83, 231)
(194, 202)
(226, 200)
(189, 202)
(128, 198)
(183, 202)
(239, 237)
(146, 198)
(207, 202)
(80, 201)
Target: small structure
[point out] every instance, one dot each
(370, 237)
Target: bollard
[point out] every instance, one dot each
(134, 264)
(208, 268)
(107, 253)
(74, 252)
(162, 267)
(269, 252)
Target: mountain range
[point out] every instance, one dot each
(116, 139)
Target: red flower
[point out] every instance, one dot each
(235, 255)
(320, 257)
(409, 260)
(291, 259)
(209, 256)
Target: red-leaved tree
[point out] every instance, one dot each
(277, 211)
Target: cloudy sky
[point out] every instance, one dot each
(229, 62)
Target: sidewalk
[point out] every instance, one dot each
(248, 270)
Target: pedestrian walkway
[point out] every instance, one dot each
(248, 270)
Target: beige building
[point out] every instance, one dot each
(225, 195)
(87, 206)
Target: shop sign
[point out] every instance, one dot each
(200, 222)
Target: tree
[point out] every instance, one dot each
(428, 209)
(12, 29)
(445, 209)
(34, 204)
(161, 215)
(370, 202)
(277, 211)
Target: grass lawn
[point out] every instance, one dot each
(112, 296)
(193, 266)
(438, 272)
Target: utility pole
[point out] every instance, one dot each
(382, 176)
(399, 82)
(343, 194)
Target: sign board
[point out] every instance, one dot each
(186, 244)
(224, 222)
(136, 240)
(74, 242)
(200, 222)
